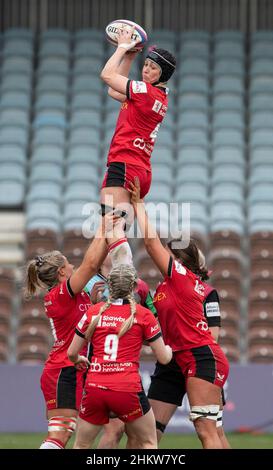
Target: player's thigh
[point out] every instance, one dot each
(202, 392)
(85, 434)
(114, 427)
(163, 412)
(111, 196)
(143, 429)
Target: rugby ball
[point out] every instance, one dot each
(114, 27)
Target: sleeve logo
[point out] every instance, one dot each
(179, 268)
(157, 105)
(139, 87)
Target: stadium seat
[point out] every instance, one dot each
(87, 83)
(226, 48)
(228, 66)
(225, 239)
(228, 155)
(260, 156)
(228, 84)
(83, 100)
(32, 353)
(192, 155)
(79, 154)
(228, 119)
(261, 66)
(193, 119)
(48, 154)
(54, 47)
(89, 47)
(190, 192)
(44, 190)
(84, 136)
(232, 352)
(192, 173)
(86, 117)
(50, 117)
(13, 154)
(188, 137)
(260, 353)
(55, 33)
(52, 82)
(87, 65)
(228, 173)
(194, 48)
(227, 191)
(51, 100)
(193, 66)
(261, 84)
(49, 135)
(193, 84)
(81, 191)
(17, 64)
(55, 65)
(228, 137)
(229, 335)
(84, 172)
(193, 101)
(228, 100)
(16, 82)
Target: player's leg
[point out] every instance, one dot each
(142, 432)
(112, 434)
(86, 434)
(163, 413)
(220, 428)
(166, 393)
(205, 398)
(62, 389)
(61, 425)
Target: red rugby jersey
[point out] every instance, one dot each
(64, 310)
(138, 124)
(179, 303)
(115, 361)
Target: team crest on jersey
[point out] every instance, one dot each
(139, 87)
(179, 268)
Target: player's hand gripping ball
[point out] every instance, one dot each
(139, 36)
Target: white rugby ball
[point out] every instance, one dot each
(114, 27)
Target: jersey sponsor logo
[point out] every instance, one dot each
(202, 325)
(95, 366)
(84, 307)
(160, 296)
(139, 143)
(139, 87)
(154, 328)
(157, 106)
(179, 268)
(212, 309)
(199, 288)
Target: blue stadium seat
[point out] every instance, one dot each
(193, 137)
(48, 190)
(87, 83)
(89, 48)
(195, 34)
(14, 117)
(18, 33)
(261, 156)
(193, 66)
(51, 100)
(229, 35)
(193, 154)
(14, 135)
(85, 65)
(81, 191)
(191, 192)
(83, 100)
(228, 119)
(193, 119)
(228, 154)
(261, 173)
(193, 101)
(88, 33)
(83, 172)
(55, 33)
(12, 171)
(228, 137)
(261, 119)
(54, 48)
(86, 117)
(260, 217)
(46, 172)
(56, 65)
(52, 82)
(229, 66)
(48, 154)
(192, 173)
(227, 192)
(43, 209)
(260, 192)
(15, 99)
(84, 135)
(16, 82)
(163, 155)
(11, 194)
(193, 83)
(225, 101)
(261, 137)
(228, 84)
(261, 102)
(226, 48)
(261, 48)
(261, 84)
(83, 154)
(232, 173)
(228, 212)
(194, 48)
(162, 173)
(12, 153)
(261, 66)
(17, 64)
(17, 47)
(49, 135)
(159, 192)
(47, 117)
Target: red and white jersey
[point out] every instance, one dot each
(138, 124)
(179, 303)
(64, 310)
(115, 361)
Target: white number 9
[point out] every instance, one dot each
(111, 348)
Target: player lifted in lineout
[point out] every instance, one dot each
(144, 105)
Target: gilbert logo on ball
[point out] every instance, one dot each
(138, 34)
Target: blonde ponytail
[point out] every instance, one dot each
(94, 323)
(42, 273)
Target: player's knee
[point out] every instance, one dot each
(206, 411)
(62, 427)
